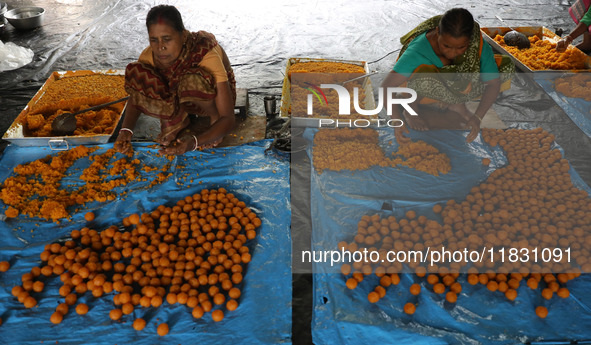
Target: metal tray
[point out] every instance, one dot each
(541, 31)
(15, 133)
(369, 102)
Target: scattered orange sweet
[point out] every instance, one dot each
(492, 285)
(451, 297)
(439, 288)
(62, 308)
(542, 312)
(373, 297)
(139, 324)
(380, 291)
(547, 293)
(82, 309)
(56, 317)
(563, 292)
(4, 266)
(410, 308)
(231, 305)
(511, 294)
(415, 289)
(162, 329)
(351, 283)
(30, 302)
(386, 281)
(217, 315)
(89, 216)
(115, 314)
(198, 312)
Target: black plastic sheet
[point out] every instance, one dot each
(259, 36)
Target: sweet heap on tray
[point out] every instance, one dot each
(71, 93)
(542, 55)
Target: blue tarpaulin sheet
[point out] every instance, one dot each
(577, 109)
(264, 313)
(344, 316)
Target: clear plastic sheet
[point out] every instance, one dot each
(479, 317)
(577, 109)
(12, 56)
(261, 182)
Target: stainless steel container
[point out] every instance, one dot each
(25, 18)
(3, 9)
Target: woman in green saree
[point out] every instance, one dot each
(447, 63)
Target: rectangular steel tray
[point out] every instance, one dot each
(314, 121)
(15, 133)
(541, 31)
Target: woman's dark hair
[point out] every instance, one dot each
(167, 14)
(457, 22)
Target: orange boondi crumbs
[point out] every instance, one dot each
(36, 189)
(576, 86)
(325, 67)
(542, 55)
(74, 93)
(328, 72)
(358, 149)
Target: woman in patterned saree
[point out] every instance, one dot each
(580, 11)
(447, 63)
(180, 73)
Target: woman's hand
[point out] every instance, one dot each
(400, 134)
(123, 142)
(165, 140)
(563, 44)
(179, 146)
(474, 124)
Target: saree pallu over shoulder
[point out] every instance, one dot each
(160, 92)
(579, 9)
(459, 82)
